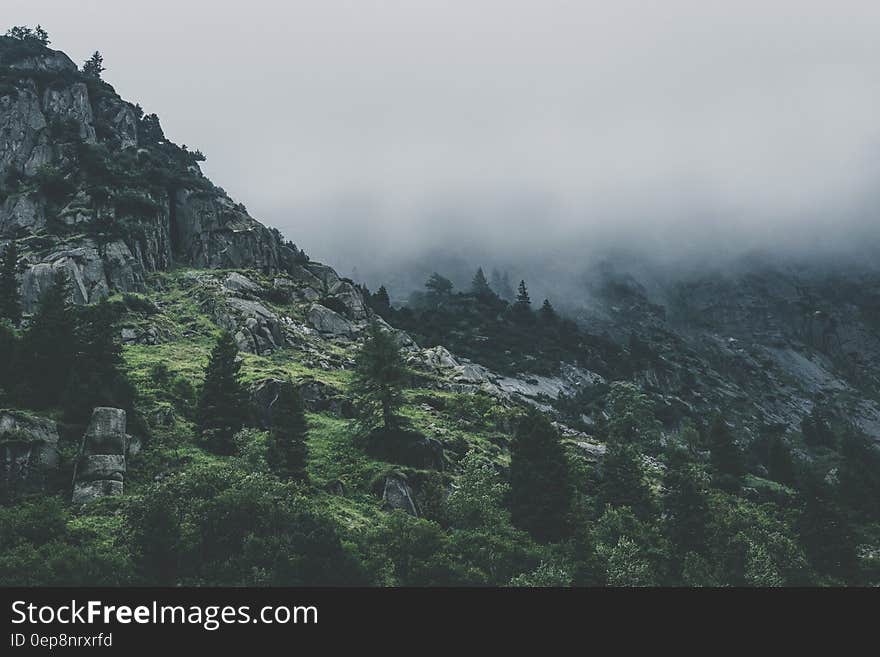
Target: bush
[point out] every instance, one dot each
(218, 525)
(39, 548)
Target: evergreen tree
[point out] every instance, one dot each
(859, 474)
(288, 451)
(96, 377)
(49, 345)
(10, 299)
(522, 307)
(501, 285)
(539, 492)
(379, 378)
(480, 286)
(438, 286)
(8, 346)
(380, 302)
(522, 296)
(547, 313)
(222, 405)
(825, 531)
(24, 33)
(780, 465)
(726, 458)
(686, 507)
(623, 481)
(94, 65)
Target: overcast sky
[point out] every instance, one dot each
(508, 122)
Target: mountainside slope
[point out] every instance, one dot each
(88, 183)
(703, 432)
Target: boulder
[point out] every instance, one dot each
(328, 321)
(397, 494)
(28, 453)
(93, 271)
(317, 397)
(435, 359)
(21, 213)
(239, 283)
(100, 470)
(404, 447)
(256, 329)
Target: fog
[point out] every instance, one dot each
(379, 134)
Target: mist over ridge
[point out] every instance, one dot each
(519, 132)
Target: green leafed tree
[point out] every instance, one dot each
(222, 405)
(540, 497)
(379, 379)
(476, 501)
(631, 415)
(288, 452)
(10, 298)
(623, 481)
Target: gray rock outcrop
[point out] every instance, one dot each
(51, 118)
(100, 470)
(28, 453)
(397, 495)
(328, 321)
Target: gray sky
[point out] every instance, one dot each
(520, 124)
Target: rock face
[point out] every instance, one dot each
(28, 453)
(327, 321)
(58, 127)
(397, 495)
(317, 397)
(100, 470)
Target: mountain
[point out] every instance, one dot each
(661, 427)
(91, 185)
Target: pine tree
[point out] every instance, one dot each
(96, 376)
(288, 451)
(623, 481)
(506, 291)
(480, 286)
(379, 378)
(8, 346)
(522, 307)
(438, 286)
(539, 493)
(547, 313)
(380, 302)
(10, 299)
(94, 65)
(49, 345)
(726, 458)
(780, 465)
(222, 405)
(686, 506)
(24, 33)
(522, 296)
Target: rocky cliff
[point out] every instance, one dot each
(89, 184)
